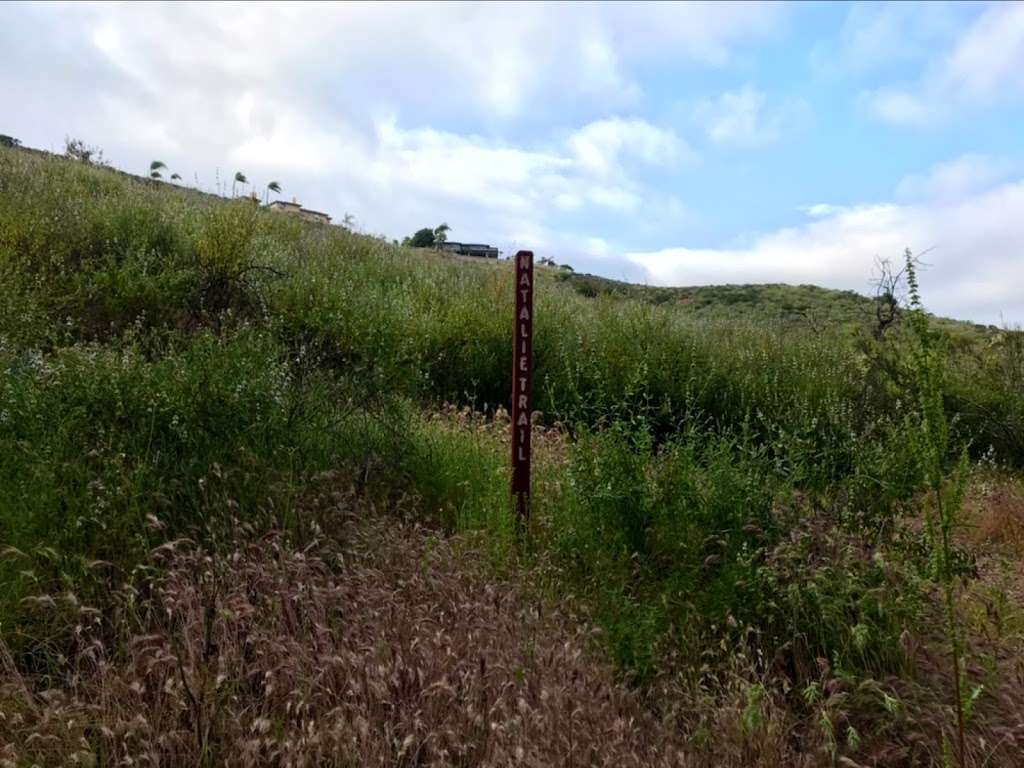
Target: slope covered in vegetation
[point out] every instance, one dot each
(814, 308)
(174, 365)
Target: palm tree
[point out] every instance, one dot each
(441, 233)
(155, 167)
(239, 179)
(274, 187)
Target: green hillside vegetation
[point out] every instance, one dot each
(811, 306)
(715, 472)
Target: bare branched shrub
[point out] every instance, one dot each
(76, 149)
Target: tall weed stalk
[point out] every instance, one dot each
(929, 441)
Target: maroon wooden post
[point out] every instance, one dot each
(522, 384)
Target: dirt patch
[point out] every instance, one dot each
(994, 513)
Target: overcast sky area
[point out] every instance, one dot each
(666, 144)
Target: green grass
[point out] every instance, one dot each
(801, 307)
(733, 461)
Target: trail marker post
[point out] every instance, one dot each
(522, 384)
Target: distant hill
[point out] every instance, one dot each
(787, 302)
(810, 305)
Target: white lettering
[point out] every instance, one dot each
(523, 420)
(525, 292)
(524, 314)
(524, 279)
(522, 456)
(522, 363)
(522, 402)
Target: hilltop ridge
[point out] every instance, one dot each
(808, 304)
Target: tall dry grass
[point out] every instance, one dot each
(383, 653)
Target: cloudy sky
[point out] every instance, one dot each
(669, 144)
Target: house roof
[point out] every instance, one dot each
(452, 245)
(287, 204)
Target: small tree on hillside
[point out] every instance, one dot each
(423, 238)
(155, 167)
(76, 149)
(239, 179)
(441, 233)
(274, 187)
(890, 291)
(9, 141)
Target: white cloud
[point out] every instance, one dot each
(601, 67)
(878, 36)
(821, 209)
(735, 117)
(588, 169)
(744, 117)
(955, 179)
(505, 190)
(985, 64)
(602, 146)
(990, 56)
(499, 117)
(899, 107)
(971, 273)
(598, 246)
(497, 59)
(697, 31)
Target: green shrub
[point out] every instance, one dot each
(98, 441)
(824, 594)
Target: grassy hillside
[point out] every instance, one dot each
(708, 479)
(776, 301)
(810, 306)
